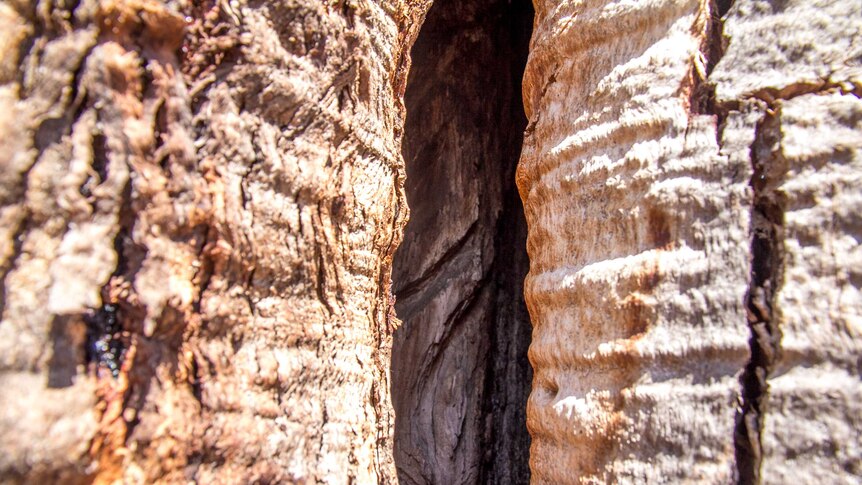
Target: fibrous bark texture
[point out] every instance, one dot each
(638, 249)
(693, 241)
(200, 203)
(460, 375)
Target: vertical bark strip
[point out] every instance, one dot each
(638, 249)
(666, 232)
(460, 373)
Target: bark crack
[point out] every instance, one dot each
(702, 93)
(767, 235)
(766, 230)
(767, 225)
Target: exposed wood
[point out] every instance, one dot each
(200, 203)
(460, 375)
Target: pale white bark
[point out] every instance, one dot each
(640, 205)
(801, 61)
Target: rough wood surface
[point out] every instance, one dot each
(655, 193)
(200, 202)
(812, 428)
(460, 376)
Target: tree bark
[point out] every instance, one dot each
(200, 203)
(805, 298)
(690, 240)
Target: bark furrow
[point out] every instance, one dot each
(767, 220)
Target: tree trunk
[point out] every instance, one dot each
(693, 241)
(200, 204)
(802, 389)
(201, 201)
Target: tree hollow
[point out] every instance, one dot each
(460, 374)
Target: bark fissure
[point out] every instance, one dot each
(702, 94)
(767, 235)
(794, 90)
(767, 220)
(765, 229)
(459, 366)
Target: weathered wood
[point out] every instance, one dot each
(200, 202)
(800, 64)
(460, 376)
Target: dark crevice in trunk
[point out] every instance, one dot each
(714, 44)
(460, 374)
(767, 222)
(507, 385)
(766, 229)
(108, 336)
(722, 7)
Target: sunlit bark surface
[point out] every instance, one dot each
(693, 241)
(200, 203)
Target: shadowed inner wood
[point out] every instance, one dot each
(460, 375)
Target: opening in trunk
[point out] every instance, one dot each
(460, 375)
